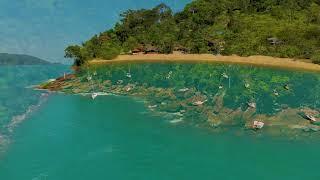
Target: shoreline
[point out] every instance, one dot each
(263, 61)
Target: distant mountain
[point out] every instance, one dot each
(20, 59)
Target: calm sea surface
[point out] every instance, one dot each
(72, 137)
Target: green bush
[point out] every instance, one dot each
(108, 51)
(316, 58)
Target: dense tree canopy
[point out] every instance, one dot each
(282, 28)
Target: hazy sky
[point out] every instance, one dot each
(43, 28)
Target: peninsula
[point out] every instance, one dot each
(20, 59)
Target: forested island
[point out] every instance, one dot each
(286, 28)
(20, 59)
(166, 59)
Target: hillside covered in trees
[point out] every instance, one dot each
(20, 59)
(280, 28)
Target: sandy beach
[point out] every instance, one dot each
(284, 63)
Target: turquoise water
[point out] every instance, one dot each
(113, 138)
(72, 137)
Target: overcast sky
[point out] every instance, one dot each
(43, 28)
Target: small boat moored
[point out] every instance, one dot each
(311, 118)
(225, 75)
(94, 95)
(286, 87)
(128, 75)
(252, 105)
(152, 106)
(257, 125)
(183, 90)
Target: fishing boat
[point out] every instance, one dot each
(252, 104)
(220, 87)
(247, 85)
(94, 95)
(275, 92)
(311, 118)
(257, 125)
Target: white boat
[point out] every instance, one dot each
(152, 106)
(311, 118)
(51, 80)
(95, 73)
(119, 81)
(220, 87)
(176, 121)
(247, 85)
(183, 90)
(94, 95)
(252, 104)
(258, 124)
(128, 75)
(225, 75)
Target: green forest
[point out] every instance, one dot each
(279, 28)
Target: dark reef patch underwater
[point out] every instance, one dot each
(219, 97)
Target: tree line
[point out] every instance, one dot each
(280, 28)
